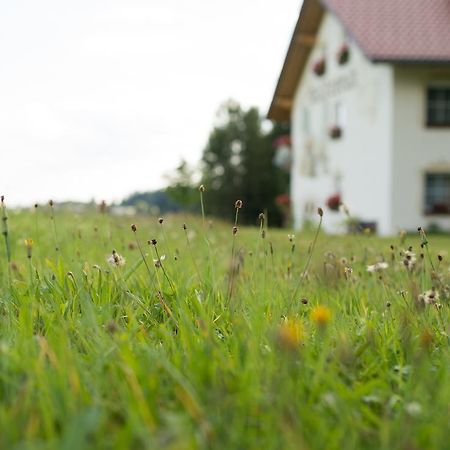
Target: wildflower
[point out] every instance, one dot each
(348, 272)
(410, 259)
(429, 297)
(235, 230)
(291, 237)
(238, 204)
(321, 315)
(320, 211)
(133, 228)
(290, 334)
(115, 259)
(414, 409)
(160, 220)
(29, 246)
(377, 267)
(201, 188)
(158, 262)
(329, 400)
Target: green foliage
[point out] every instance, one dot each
(208, 347)
(182, 188)
(238, 164)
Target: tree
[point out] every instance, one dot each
(182, 188)
(238, 164)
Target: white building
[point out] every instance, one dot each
(366, 86)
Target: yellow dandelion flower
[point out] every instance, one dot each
(321, 315)
(290, 334)
(29, 247)
(29, 242)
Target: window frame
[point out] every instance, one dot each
(426, 209)
(428, 123)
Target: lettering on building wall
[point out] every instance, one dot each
(332, 88)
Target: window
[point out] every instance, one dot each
(437, 193)
(438, 106)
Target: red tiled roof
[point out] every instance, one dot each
(386, 30)
(397, 30)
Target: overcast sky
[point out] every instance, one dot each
(101, 98)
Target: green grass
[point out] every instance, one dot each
(223, 346)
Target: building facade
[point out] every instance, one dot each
(370, 118)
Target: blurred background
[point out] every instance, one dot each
(118, 100)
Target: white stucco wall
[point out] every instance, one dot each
(359, 163)
(417, 148)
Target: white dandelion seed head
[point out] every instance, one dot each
(377, 267)
(115, 260)
(414, 409)
(429, 297)
(157, 262)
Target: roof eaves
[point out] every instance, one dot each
(300, 45)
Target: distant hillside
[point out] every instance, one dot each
(157, 202)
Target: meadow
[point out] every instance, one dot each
(189, 333)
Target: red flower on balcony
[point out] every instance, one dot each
(319, 67)
(333, 202)
(335, 132)
(283, 200)
(284, 139)
(343, 54)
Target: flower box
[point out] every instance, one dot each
(283, 200)
(334, 202)
(343, 54)
(319, 67)
(335, 132)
